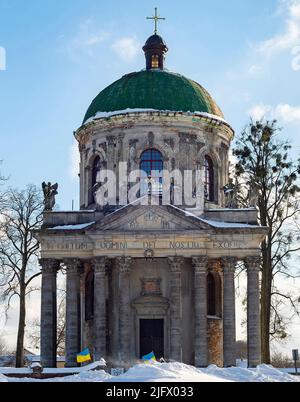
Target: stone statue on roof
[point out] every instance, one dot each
(230, 192)
(50, 191)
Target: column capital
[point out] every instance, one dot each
(99, 264)
(175, 263)
(253, 263)
(73, 265)
(229, 264)
(124, 264)
(49, 266)
(200, 264)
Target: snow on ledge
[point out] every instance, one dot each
(73, 227)
(74, 370)
(106, 115)
(219, 224)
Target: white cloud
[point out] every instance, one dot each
(288, 113)
(260, 111)
(295, 9)
(88, 37)
(74, 159)
(255, 69)
(296, 59)
(126, 48)
(283, 112)
(290, 37)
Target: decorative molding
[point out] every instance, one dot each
(111, 140)
(100, 264)
(176, 264)
(74, 266)
(170, 142)
(185, 138)
(121, 137)
(151, 306)
(151, 287)
(149, 253)
(253, 263)
(132, 143)
(103, 145)
(124, 264)
(200, 145)
(49, 266)
(200, 264)
(151, 138)
(229, 264)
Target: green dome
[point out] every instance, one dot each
(154, 89)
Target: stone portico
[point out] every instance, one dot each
(148, 273)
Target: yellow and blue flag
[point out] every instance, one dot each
(149, 358)
(84, 356)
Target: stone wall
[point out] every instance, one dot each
(215, 341)
(183, 140)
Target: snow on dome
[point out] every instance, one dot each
(107, 115)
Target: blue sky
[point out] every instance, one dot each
(61, 53)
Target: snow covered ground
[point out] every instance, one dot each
(176, 372)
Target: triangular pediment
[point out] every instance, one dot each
(150, 218)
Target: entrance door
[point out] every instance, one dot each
(152, 338)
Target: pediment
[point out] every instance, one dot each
(150, 218)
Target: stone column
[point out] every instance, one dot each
(175, 309)
(201, 346)
(100, 307)
(229, 326)
(49, 312)
(253, 311)
(124, 267)
(73, 311)
(87, 190)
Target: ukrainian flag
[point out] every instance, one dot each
(84, 356)
(149, 358)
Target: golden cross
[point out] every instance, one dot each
(156, 18)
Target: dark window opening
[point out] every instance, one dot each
(211, 295)
(209, 179)
(89, 296)
(96, 169)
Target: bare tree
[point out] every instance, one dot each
(20, 215)
(2, 181)
(266, 168)
(241, 350)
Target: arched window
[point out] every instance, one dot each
(209, 179)
(96, 168)
(155, 61)
(89, 296)
(211, 295)
(151, 166)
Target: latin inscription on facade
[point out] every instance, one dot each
(173, 245)
(146, 245)
(68, 246)
(229, 244)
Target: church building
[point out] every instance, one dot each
(146, 275)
